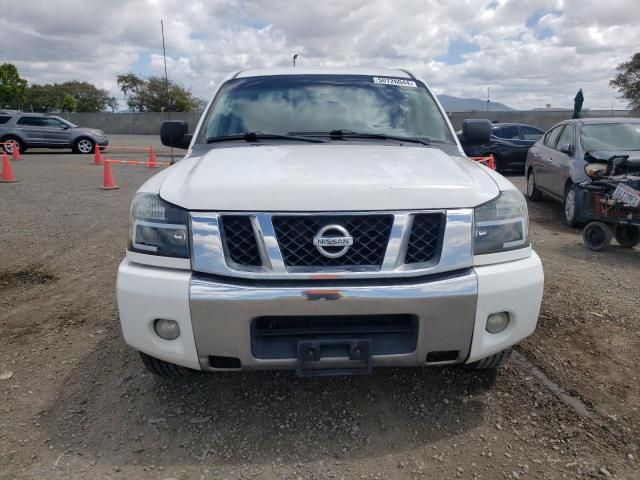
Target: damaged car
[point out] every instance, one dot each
(610, 199)
(555, 165)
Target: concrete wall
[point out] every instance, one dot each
(149, 123)
(538, 118)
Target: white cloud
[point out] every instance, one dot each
(529, 52)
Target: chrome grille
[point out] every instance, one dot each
(255, 251)
(240, 240)
(295, 236)
(426, 237)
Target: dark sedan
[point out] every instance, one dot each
(509, 145)
(555, 164)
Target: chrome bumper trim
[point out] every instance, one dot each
(221, 313)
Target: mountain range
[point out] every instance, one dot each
(456, 104)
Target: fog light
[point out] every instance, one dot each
(497, 322)
(167, 329)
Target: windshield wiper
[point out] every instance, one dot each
(342, 133)
(257, 136)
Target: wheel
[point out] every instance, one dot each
(494, 361)
(572, 206)
(627, 236)
(9, 142)
(597, 236)
(164, 369)
(533, 192)
(84, 145)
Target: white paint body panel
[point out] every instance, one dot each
(513, 287)
(352, 177)
(147, 293)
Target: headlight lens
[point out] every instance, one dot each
(158, 228)
(595, 169)
(502, 224)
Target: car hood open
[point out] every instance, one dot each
(351, 177)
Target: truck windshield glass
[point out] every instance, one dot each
(319, 104)
(611, 136)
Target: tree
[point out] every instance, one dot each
(627, 81)
(12, 86)
(151, 94)
(132, 86)
(69, 104)
(87, 97)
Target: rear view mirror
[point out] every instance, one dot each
(475, 132)
(174, 134)
(567, 148)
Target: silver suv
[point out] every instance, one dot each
(30, 130)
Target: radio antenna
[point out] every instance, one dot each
(166, 85)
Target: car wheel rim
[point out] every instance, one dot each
(530, 184)
(84, 146)
(570, 205)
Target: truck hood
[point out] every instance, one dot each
(326, 178)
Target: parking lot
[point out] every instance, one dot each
(79, 404)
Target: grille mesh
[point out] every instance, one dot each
(240, 240)
(424, 241)
(370, 237)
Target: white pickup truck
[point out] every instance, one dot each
(327, 221)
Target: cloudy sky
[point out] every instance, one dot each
(529, 52)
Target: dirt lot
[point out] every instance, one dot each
(78, 403)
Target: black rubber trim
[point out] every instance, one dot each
(408, 73)
(346, 282)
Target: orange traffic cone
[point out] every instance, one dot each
(108, 182)
(97, 156)
(7, 172)
(16, 151)
(152, 158)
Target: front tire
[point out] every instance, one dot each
(494, 361)
(533, 192)
(627, 236)
(84, 146)
(165, 369)
(572, 206)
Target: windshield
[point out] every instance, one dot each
(319, 104)
(611, 136)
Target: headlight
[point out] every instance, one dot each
(158, 228)
(595, 169)
(501, 224)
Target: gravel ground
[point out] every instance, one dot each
(75, 401)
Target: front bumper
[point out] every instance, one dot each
(216, 314)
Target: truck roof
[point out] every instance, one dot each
(372, 71)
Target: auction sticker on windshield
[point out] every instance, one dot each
(627, 195)
(400, 82)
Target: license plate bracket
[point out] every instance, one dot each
(310, 352)
(627, 195)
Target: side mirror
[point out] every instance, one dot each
(174, 134)
(567, 148)
(65, 127)
(475, 132)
